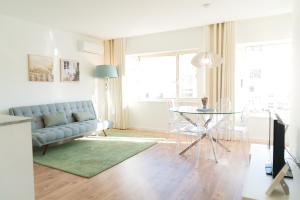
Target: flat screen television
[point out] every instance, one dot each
(278, 160)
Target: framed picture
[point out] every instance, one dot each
(69, 70)
(40, 68)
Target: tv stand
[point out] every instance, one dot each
(257, 182)
(269, 171)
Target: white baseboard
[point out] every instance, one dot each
(149, 130)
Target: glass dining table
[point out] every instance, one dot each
(208, 115)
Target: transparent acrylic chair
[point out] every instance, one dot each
(240, 125)
(240, 130)
(181, 127)
(225, 122)
(234, 128)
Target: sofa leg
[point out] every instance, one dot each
(45, 149)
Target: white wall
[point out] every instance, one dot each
(271, 28)
(294, 129)
(149, 115)
(153, 115)
(18, 39)
(185, 39)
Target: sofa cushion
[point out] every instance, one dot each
(57, 133)
(55, 119)
(83, 116)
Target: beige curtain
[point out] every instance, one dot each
(114, 53)
(220, 80)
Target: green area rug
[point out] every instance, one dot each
(89, 156)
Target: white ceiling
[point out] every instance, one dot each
(124, 18)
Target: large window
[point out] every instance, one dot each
(188, 81)
(162, 76)
(263, 75)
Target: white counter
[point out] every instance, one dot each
(16, 168)
(8, 120)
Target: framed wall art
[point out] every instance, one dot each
(40, 68)
(69, 70)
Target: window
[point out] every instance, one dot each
(187, 77)
(157, 77)
(162, 76)
(263, 73)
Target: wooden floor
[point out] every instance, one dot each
(157, 173)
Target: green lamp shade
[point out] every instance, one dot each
(106, 71)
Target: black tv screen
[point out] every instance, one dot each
(278, 146)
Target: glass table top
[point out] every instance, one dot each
(199, 110)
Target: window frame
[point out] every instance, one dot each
(177, 55)
(241, 47)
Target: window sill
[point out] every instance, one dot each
(192, 100)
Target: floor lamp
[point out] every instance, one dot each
(106, 72)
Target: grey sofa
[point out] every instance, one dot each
(43, 136)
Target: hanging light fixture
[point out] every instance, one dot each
(206, 59)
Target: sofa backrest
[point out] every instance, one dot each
(36, 112)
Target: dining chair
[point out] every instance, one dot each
(225, 122)
(234, 128)
(181, 127)
(240, 130)
(240, 125)
(175, 121)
